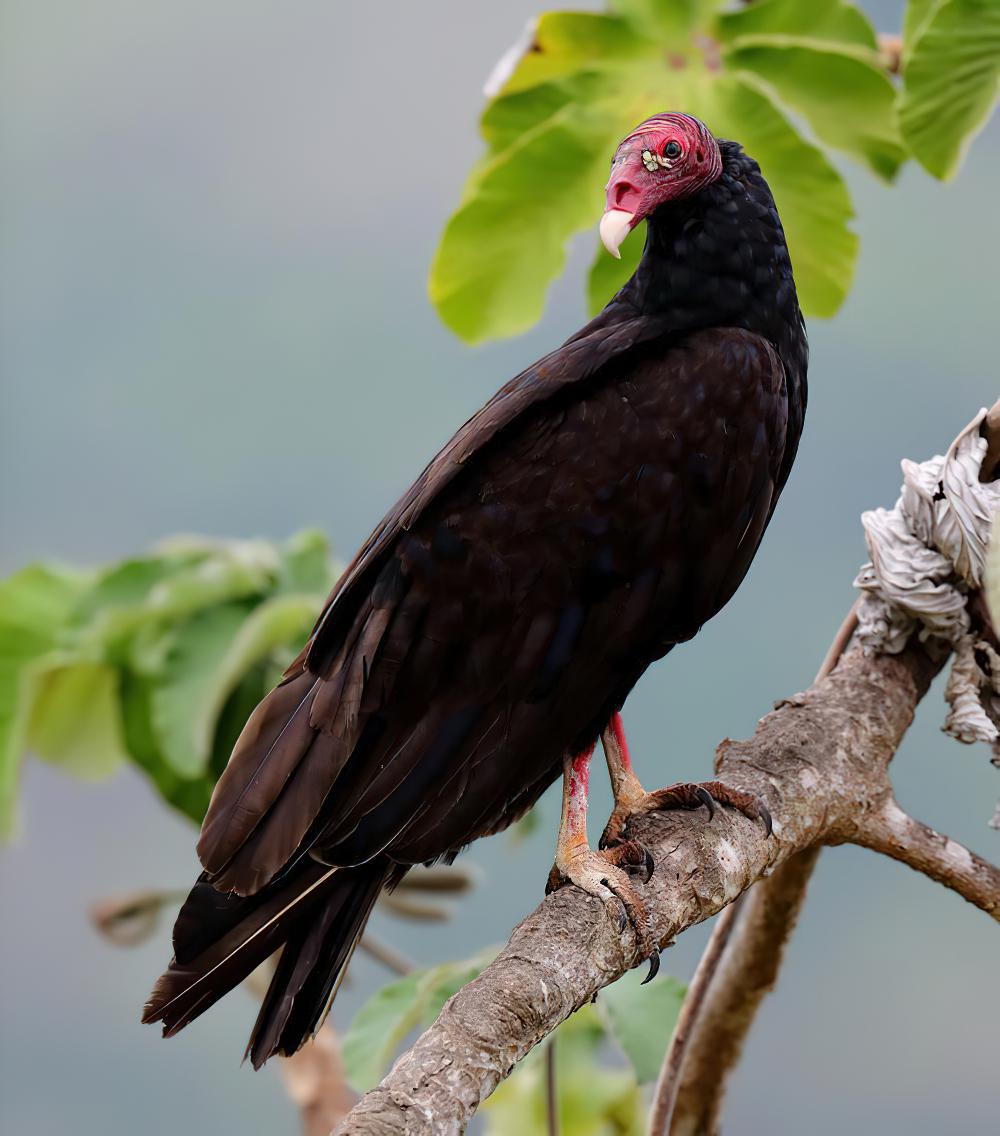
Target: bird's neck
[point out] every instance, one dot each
(719, 259)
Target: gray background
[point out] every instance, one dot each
(216, 226)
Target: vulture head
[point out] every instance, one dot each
(667, 157)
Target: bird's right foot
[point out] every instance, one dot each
(608, 876)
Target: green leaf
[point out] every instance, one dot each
(951, 81)
(831, 20)
(811, 196)
(75, 721)
(305, 565)
(128, 584)
(15, 702)
(671, 21)
(567, 42)
(592, 1100)
(188, 795)
(642, 1019)
(510, 115)
(918, 13)
(235, 570)
(382, 1023)
(185, 699)
(141, 596)
(506, 243)
(34, 604)
(846, 98)
(379, 1027)
(159, 658)
(38, 600)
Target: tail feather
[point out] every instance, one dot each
(311, 968)
(316, 911)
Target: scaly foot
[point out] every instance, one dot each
(683, 795)
(607, 875)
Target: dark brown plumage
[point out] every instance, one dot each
(594, 513)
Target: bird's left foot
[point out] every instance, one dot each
(632, 800)
(683, 795)
(607, 875)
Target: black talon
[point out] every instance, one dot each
(648, 864)
(654, 967)
(706, 799)
(766, 816)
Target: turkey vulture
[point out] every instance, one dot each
(595, 512)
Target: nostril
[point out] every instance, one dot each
(622, 190)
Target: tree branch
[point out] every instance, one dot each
(705, 979)
(820, 761)
(890, 52)
(747, 973)
(315, 1080)
(895, 833)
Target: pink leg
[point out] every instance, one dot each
(575, 801)
(601, 874)
(624, 783)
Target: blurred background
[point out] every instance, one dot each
(215, 232)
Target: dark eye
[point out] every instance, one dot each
(672, 150)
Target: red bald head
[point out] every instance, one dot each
(667, 157)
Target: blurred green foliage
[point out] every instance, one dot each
(412, 1001)
(158, 660)
(790, 79)
(594, 1100)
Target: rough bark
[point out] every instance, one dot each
(895, 833)
(820, 761)
(697, 1003)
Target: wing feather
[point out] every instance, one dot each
(553, 565)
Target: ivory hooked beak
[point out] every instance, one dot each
(616, 225)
